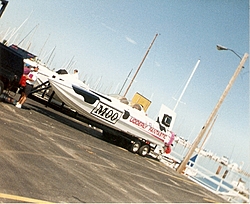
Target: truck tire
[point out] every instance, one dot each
(1, 87)
(144, 150)
(135, 146)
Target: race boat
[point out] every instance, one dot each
(127, 120)
(122, 118)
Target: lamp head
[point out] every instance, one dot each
(220, 47)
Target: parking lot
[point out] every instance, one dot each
(47, 156)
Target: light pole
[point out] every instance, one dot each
(214, 112)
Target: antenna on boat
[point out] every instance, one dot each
(140, 64)
(189, 79)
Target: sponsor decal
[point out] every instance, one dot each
(148, 127)
(106, 112)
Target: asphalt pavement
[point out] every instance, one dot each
(48, 156)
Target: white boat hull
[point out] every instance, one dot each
(110, 111)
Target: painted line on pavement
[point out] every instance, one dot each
(20, 198)
(209, 200)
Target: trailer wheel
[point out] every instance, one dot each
(144, 150)
(1, 87)
(135, 146)
(159, 157)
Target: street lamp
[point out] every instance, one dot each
(220, 47)
(202, 132)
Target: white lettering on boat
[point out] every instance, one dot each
(106, 112)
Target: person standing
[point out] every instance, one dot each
(30, 81)
(75, 75)
(22, 82)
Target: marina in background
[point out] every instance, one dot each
(216, 173)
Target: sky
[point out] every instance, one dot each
(107, 39)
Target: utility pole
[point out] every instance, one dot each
(212, 115)
(140, 64)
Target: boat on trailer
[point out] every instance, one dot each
(122, 118)
(119, 117)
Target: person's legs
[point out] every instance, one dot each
(18, 105)
(24, 95)
(23, 99)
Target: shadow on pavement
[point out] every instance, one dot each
(67, 121)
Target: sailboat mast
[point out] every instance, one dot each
(43, 46)
(18, 29)
(125, 81)
(27, 35)
(140, 64)
(183, 91)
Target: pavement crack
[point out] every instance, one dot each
(78, 199)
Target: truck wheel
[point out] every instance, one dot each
(135, 146)
(1, 87)
(143, 151)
